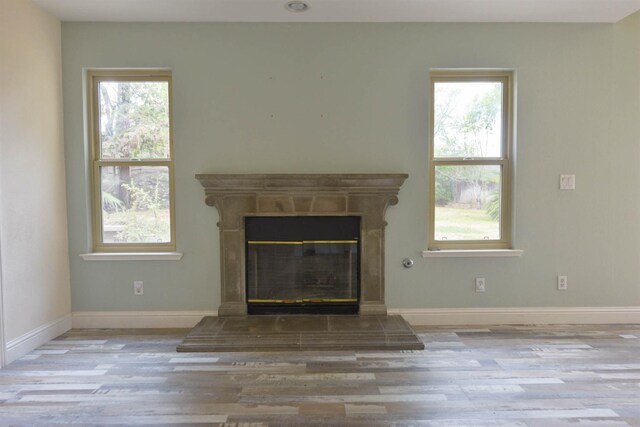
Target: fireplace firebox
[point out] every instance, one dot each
(302, 264)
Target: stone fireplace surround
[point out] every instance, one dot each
(237, 196)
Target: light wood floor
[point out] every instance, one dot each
(499, 376)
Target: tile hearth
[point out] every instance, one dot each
(300, 332)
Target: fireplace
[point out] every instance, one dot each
(363, 198)
(302, 264)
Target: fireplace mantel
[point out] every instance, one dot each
(237, 196)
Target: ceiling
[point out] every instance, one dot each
(342, 10)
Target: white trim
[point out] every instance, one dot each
(138, 319)
(132, 256)
(18, 347)
(3, 343)
(415, 316)
(519, 315)
(472, 253)
(3, 348)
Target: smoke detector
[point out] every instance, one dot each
(296, 6)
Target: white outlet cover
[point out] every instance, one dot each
(480, 284)
(138, 287)
(567, 182)
(562, 283)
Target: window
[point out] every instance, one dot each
(132, 173)
(470, 156)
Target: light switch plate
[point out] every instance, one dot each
(567, 182)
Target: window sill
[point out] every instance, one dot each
(132, 256)
(472, 253)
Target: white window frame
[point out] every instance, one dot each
(505, 161)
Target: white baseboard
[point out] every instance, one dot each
(415, 316)
(138, 319)
(18, 347)
(519, 315)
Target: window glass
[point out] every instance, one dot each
(467, 119)
(467, 205)
(135, 204)
(134, 120)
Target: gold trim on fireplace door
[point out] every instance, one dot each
(276, 242)
(294, 301)
(271, 242)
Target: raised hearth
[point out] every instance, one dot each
(301, 332)
(239, 196)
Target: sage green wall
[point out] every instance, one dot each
(278, 98)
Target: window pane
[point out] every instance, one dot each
(134, 120)
(467, 204)
(467, 119)
(135, 204)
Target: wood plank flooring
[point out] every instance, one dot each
(498, 376)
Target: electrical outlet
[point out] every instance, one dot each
(562, 283)
(138, 287)
(480, 284)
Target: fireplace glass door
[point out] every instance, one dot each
(302, 264)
